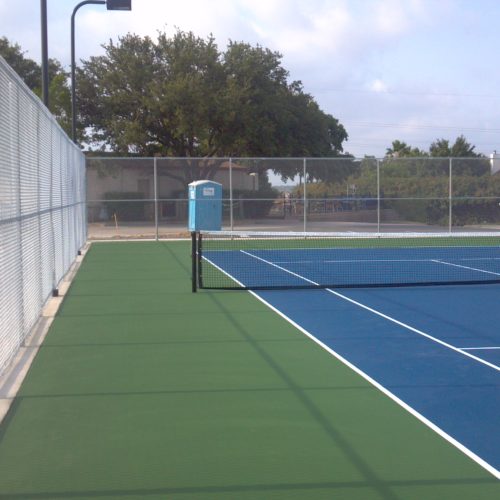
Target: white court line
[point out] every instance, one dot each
(350, 261)
(415, 330)
(355, 261)
(476, 458)
(478, 348)
(382, 315)
(466, 267)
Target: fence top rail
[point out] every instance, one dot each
(288, 158)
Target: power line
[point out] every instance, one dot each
(397, 92)
(422, 127)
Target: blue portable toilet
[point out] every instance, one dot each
(205, 206)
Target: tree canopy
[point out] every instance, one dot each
(401, 149)
(440, 148)
(182, 96)
(26, 68)
(460, 149)
(31, 73)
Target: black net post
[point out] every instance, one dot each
(194, 261)
(199, 263)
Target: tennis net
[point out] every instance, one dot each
(264, 260)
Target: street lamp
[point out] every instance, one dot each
(45, 56)
(110, 5)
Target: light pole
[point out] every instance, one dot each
(45, 57)
(111, 5)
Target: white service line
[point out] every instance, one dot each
(355, 261)
(415, 330)
(478, 348)
(279, 267)
(465, 267)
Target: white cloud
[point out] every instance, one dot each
(391, 17)
(378, 86)
(218, 17)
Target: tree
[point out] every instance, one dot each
(180, 96)
(400, 149)
(30, 72)
(460, 149)
(60, 100)
(114, 94)
(439, 148)
(27, 69)
(419, 187)
(463, 150)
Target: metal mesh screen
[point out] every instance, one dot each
(42, 209)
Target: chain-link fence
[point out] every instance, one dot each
(42, 209)
(147, 197)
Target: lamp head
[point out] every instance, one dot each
(119, 4)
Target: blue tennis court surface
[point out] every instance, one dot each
(434, 349)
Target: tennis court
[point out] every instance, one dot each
(143, 389)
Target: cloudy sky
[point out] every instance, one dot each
(413, 70)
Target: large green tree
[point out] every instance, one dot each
(181, 96)
(31, 73)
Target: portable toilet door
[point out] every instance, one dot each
(205, 206)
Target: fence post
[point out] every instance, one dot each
(450, 197)
(61, 211)
(55, 292)
(41, 298)
(155, 188)
(85, 219)
(231, 221)
(19, 250)
(378, 196)
(305, 195)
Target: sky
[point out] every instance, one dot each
(411, 70)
